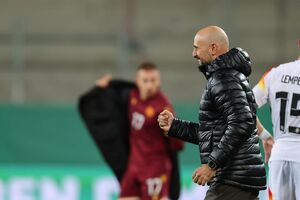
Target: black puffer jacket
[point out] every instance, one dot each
(226, 133)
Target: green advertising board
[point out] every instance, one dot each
(47, 154)
(75, 183)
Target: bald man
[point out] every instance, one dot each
(226, 133)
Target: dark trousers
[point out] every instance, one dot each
(218, 191)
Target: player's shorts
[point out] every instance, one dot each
(284, 180)
(150, 182)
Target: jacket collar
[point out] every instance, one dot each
(236, 58)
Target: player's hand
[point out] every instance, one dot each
(103, 82)
(268, 145)
(165, 120)
(203, 174)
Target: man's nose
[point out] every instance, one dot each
(148, 87)
(194, 54)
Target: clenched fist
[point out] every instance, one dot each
(165, 120)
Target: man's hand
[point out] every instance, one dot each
(104, 81)
(268, 145)
(165, 120)
(203, 174)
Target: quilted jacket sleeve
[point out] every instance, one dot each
(231, 100)
(184, 130)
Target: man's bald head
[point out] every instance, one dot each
(209, 43)
(214, 35)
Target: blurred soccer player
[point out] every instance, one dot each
(226, 132)
(280, 87)
(149, 169)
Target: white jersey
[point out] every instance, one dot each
(280, 87)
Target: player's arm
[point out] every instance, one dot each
(231, 100)
(261, 131)
(267, 139)
(104, 81)
(260, 92)
(180, 129)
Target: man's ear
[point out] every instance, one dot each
(214, 49)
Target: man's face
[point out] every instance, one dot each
(202, 51)
(148, 82)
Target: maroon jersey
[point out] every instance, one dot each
(146, 139)
(149, 167)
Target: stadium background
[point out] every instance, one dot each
(53, 51)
